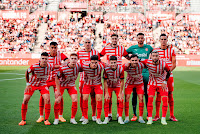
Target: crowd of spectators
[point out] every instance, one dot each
(30, 5)
(18, 35)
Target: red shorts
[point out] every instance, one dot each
(71, 90)
(170, 84)
(139, 88)
(81, 86)
(152, 90)
(116, 89)
(87, 89)
(42, 89)
(51, 83)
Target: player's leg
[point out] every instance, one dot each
(24, 108)
(85, 92)
(106, 106)
(134, 105)
(164, 95)
(93, 105)
(73, 93)
(119, 106)
(81, 83)
(145, 81)
(57, 106)
(158, 102)
(41, 109)
(46, 96)
(170, 84)
(128, 91)
(99, 94)
(151, 94)
(140, 92)
(110, 108)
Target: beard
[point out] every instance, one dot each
(155, 61)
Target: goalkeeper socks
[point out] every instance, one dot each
(24, 111)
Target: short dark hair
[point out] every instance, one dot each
(155, 51)
(163, 35)
(113, 58)
(44, 54)
(94, 57)
(73, 54)
(133, 56)
(53, 43)
(140, 34)
(114, 35)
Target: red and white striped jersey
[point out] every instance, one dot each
(68, 75)
(84, 58)
(39, 74)
(156, 72)
(92, 76)
(134, 74)
(118, 51)
(55, 60)
(166, 55)
(113, 76)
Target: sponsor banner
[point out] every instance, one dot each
(125, 16)
(14, 14)
(36, 14)
(73, 5)
(13, 55)
(161, 15)
(17, 61)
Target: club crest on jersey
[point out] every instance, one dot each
(146, 49)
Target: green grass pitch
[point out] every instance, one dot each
(12, 84)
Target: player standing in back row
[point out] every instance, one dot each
(167, 54)
(114, 49)
(142, 51)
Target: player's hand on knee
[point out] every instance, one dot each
(57, 94)
(28, 89)
(107, 96)
(121, 96)
(164, 86)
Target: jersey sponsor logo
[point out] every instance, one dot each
(85, 62)
(142, 55)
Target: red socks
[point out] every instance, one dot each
(61, 107)
(93, 104)
(74, 109)
(150, 106)
(24, 111)
(110, 104)
(56, 110)
(164, 106)
(127, 108)
(41, 106)
(85, 109)
(171, 104)
(141, 108)
(120, 107)
(81, 104)
(158, 102)
(47, 111)
(106, 107)
(99, 109)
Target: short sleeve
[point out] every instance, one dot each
(103, 52)
(150, 48)
(144, 61)
(59, 74)
(129, 50)
(125, 52)
(30, 69)
(173, 52)
(63, 56)
(124, 67)
(121, 73)
(167, 67)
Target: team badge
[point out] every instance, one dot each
(146, 49)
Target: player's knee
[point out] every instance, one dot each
(47, 100)
(140, 99)
(127, 98)
(98, 98)
(85, 97)
(25, 101)
(74, 99)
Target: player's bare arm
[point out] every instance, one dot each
(28, 85)
(173, 63)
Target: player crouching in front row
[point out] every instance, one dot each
(40, 72)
